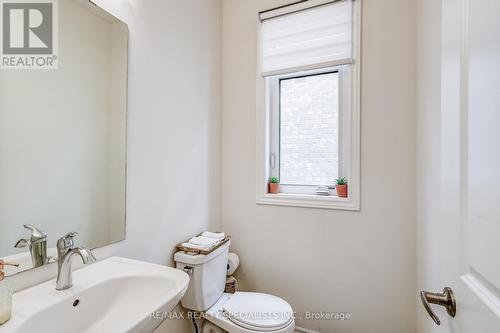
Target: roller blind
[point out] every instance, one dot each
(306, 38)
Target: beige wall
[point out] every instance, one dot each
(325, 260)
(359, 262)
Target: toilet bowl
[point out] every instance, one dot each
(246, 312)
(242, 312)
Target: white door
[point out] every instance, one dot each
(469, 224)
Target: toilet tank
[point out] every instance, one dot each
(207, 277)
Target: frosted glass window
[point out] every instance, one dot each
(309, 129)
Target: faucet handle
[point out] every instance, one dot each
(36, 233)
(22, 243)
(66, 242)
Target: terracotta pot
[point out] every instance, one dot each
(341, 191)
(274, 188)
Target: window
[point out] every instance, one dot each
(308, 130)
(309, 115)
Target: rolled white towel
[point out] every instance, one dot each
(197, 247)
(216, 235)
(204, 241)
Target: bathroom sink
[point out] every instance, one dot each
(114, 295)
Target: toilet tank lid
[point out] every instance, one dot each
(199, 259)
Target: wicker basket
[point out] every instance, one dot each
(196, 251)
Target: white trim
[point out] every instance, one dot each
(293, 8)
(262, 133)
(464, 118)
(336, 63)
(482, 289)
(310, 201)
(273, 142)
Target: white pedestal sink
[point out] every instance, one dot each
(115, 295)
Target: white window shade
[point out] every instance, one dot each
(307, 38)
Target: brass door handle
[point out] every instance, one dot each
(446, 299)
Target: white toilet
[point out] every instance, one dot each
(242, 312)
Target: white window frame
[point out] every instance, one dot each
(349, 133)
(273, 90)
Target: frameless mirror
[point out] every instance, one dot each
(63, 139)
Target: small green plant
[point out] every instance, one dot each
(341, 181)
(274, 180)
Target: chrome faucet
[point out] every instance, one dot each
(65, 251)
(37, 244)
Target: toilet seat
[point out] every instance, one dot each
(246, 312)
(259, 312)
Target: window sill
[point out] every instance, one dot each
(308, 201)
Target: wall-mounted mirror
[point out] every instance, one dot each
(63, 141)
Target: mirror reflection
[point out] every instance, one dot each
(63, 142)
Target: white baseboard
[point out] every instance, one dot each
(304, 330)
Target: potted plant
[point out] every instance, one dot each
(274, 185)
(341, 187)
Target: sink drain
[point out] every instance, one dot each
(76, 302)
